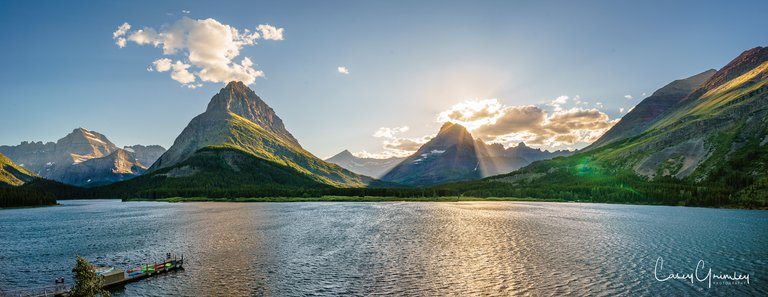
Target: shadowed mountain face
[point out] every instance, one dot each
(82, 158)
(650, 109)
(146, 155)
(239, 122)
(450, 156)
(453, 155)
(709, 148)
(366, 166)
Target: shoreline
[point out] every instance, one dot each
(30, 206)
(339, 199)
(399, 199)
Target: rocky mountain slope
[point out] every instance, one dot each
(81, 158)
(12, 174)
(453, 155)
(238, 131)
(709, 148)
(146, 155)
(372, 167)
(652, 108)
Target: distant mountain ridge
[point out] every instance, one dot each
(81, 158)
(454, 155)
(372, 167)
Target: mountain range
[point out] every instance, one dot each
(701, 140)
(83, 158)
(697, 141)
(454, 155)
(372, 167)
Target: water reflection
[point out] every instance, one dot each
(468, 248)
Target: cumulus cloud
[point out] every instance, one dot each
(342, 70)
(119, 34)
(208, 49)
(162, 65)
(394, 145)
(529, 123)
(471, 113)
(558, 103)
(628, 97)
(269, 32)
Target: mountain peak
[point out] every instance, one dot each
(451, 126)
(85, 142)
(237, 85)
(345, 154)
(239, 99)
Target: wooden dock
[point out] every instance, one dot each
(48, 291)
(111, 279)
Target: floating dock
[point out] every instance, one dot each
(120, 277)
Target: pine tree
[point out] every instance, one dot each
(87, 283)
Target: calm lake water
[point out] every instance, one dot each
(433, 249)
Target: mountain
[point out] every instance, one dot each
(118, 166)
(238, 145)
(17, 187)
(453, 155)
(146, 155)
(81, 158)
(365, 166)
(12, 174)
(652, 108)
(710, 148)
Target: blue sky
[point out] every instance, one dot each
(408, 61)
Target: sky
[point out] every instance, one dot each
(375, 77)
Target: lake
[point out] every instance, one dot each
(408, 248)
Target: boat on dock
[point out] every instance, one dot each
(115, 277)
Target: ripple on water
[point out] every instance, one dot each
(408, 249)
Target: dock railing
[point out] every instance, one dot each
(54, 290)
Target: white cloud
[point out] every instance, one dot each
(162, 65)
(119, 33)
(628, 97)
(643, 94)
(471, 113)
(385, 132)
(599, 104)
(269, 32)
(559, 102)
(210, 47)
(621, 110)
(394, 145)
(181, 74)
(185, 11)
(342, 70)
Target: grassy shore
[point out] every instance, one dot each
(397, 199)
(342, 199)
